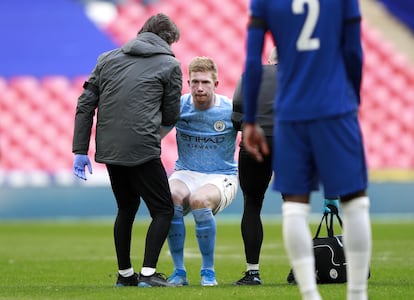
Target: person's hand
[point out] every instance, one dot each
(79, 163)
(330, 205)
(254, 141)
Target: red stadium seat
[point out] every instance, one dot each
(24, 85)
(56, 86)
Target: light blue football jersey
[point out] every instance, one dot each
(206, 140)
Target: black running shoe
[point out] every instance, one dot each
(251, 277)
(127, 281)
(291, 278)
(156, 279)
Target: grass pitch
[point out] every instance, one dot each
(76, 260)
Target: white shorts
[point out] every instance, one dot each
(227, 184)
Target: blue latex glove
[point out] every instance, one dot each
(335, 203)
(79, 163)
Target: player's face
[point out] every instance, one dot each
(202, 87)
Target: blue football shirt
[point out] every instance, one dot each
(313, 78)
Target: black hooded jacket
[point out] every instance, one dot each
(265, 102)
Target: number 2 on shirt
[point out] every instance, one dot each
(305, 41)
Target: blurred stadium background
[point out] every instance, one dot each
(48, 48)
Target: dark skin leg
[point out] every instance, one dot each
(351, 196)
(296, 198)
(306, 198)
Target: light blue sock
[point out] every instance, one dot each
(176, 237)
(206, 235)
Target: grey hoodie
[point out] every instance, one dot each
(137, 89)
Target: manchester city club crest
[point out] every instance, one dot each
(219, 125)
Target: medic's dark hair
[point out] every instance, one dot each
(163, 26)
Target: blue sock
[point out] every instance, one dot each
(176, 237)
(206, 235)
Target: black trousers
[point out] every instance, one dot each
(129, 184)
(254, 180)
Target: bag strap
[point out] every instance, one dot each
(329, 228)
(320, 225)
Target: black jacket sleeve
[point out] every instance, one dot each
(237, 114)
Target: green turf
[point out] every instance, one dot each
(76, 260)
